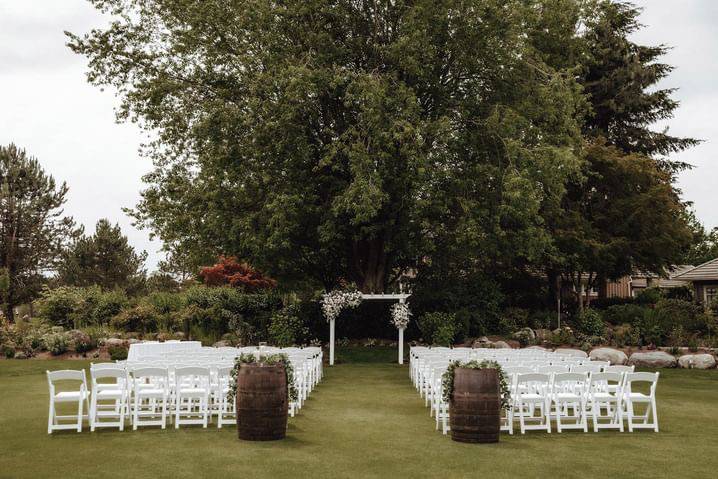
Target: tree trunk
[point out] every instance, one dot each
(369, 265)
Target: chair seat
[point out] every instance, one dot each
(110, 394)
(68, 396)
(150, 392)
(639, 397)
(193, 391)
(568, 396)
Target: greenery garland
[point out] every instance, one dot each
(268, 360)
(447, 379)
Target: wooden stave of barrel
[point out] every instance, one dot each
(261, 402)
(475, 406)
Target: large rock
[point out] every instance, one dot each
(576, 353)
(653, 359)
(481, 342)
(540, 348)
(115, 342)
(614, 356)
(501, 345)
(543, 334)
(221, 344)
(697, 361)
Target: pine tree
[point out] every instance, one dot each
(105, 259)
(32, 227)
(620, 78)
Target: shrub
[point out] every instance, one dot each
(140, 318)
(438, 328)
(542, 319)
(525, 337)
(60, 306)
(686, 314)
(649, 296)
(286, 329)
(632, 314)
(117, 353)
(56, 343)
(626, 335)
(562, 336)
(513, 319)
(107, 306)
(8, 351)
(590, 323)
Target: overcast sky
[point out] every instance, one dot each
(47, 107)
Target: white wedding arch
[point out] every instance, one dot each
(335, 301)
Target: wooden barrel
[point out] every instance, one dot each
(475, 406)
(261, 402)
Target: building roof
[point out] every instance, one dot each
(704, 272)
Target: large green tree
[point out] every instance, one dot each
(345, 140)
(33, 229)
(105, 259)
(628, 175)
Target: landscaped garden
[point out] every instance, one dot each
(365, 420)
(383, 226)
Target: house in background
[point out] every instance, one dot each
(704, 279)
(641, 281)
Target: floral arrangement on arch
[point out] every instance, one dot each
(400, 314)
(334, 301)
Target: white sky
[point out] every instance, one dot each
(47, 107)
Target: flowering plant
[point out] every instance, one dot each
(334, 301)
(400, 314)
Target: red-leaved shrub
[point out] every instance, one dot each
(240, 275)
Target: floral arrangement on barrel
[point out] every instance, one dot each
(334, 301)
(447, 379)
(269, 360)
(400, 314)
(228, 271)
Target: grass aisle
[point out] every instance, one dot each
(364, 420)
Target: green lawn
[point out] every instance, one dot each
(364, 420)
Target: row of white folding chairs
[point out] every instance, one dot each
(146, 393)
(571, 399)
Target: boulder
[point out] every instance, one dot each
(178, 335)
(78, 337)
(20, 355)
(221, 344)
(133, 341)
(653, 359)
(527, 332)
(694, 361)
(115, 342)
(481, 342)
(501, 345)
(576, 353)
(614, 356)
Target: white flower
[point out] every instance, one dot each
(400, 314)
(334, 301)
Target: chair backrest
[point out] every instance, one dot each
(587, 368)
(532, 383)
(66, 375)
(599, 382)
(651, 378)
(619, 369)
(195, 374)
(552, 369)
(152, 374)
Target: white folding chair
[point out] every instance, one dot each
(568, 393)
(80, 396)
(531, 401)
(192, 385)
(115, 392)
(648, 420)
(150, 389)
(226, 412)
(604, 399)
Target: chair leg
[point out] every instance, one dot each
(135, 413)
(51, 416)
(655, 415)
(93, 412)
(79, 415)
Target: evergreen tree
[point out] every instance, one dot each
(33, 229)
(620, 80)
(105, 259)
